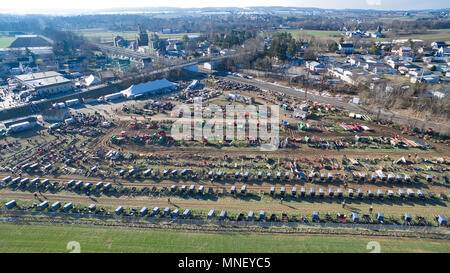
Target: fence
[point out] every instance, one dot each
(138, 220)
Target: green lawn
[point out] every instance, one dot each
(37, 238)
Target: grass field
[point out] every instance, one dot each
(39, 238)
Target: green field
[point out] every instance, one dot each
(6, 41)
(39, 238)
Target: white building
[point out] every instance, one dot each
(45, 83)
(154, 87)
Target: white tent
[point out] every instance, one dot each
(154, 87)
(92, 80)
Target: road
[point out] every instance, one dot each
(384, 114)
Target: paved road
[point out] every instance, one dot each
(384, 114)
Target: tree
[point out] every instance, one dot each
(333, 47)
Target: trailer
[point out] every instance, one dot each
(79, 184)
(11, 204)
(380, 193)
(407, 217)
(360, 192)
(174, 173)
(56, 205)
(155, 211)
(143, 211)
(244, 189)
(370, 193)
(246, 175)
(72, 102)
(269, 175)
(315, 216)
(45, 182)
(272, 190)
(87, 185)
(108, 186)
(420, 194)
(312, 192)
(330, 176)
(71, 183)
(186, 213)
(260, 174)
(223, 215)
(350, 192)
(339, 192)
(401, 192)
(183, 188)
(390, 193)
(166, 212)
(380, 217)
(43, 205)
(294, 191)
(250, 216)
(16, 180)
(19, 127)
(24, 181)
(429, 177)
(373, 177)
(6, 179)
(192, 188)
(201, 189)
(92, 207)
(303, 191)
(283, 191)
(355, 217)
(113, 96)
(173, 188)
(147, 172)
(99, 185)
(211, 214)
(262, 215)
(118, 210)
(184, 172)
(175, 214)
(67, 207)
(410, 193)
(321, 192)
(331, 192)
(441, 220)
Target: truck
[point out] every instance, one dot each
(110, 97)
(72, 102)
(19, 127)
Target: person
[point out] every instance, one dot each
(168, 200)
(343, 204)
(281, 200)
(371, 209)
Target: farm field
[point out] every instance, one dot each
(6, 41)
(43, 238)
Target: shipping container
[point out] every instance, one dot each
(72, 102)
(56, 205)
(11, 204)
(43, 205)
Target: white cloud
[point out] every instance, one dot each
(373, 2)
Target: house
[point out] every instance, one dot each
(315, 66)
(346, 47)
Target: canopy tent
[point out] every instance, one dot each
(154, 87)
(92, 80)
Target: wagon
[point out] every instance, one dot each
(287, 175)
(211, 214)
(94, 169)
(11, 204)
(311, 176)
(99, 185)
(173, 188)
(118, 210)
(428, 177)
(219, 174)
(56, 205)
(244, 189)
(143, 211)
(184, 172)
(350, 192)
(92, 207)
(201, 189)
(132, 171)
(79, 184)
(407, 178)
(183, 188)
(380, 217)
(43, 205)
(282, 191)
(88, 185)
(390, 177)
(166, 212)
(407, 217)
(122, 172)
(233, 189)
(315, 216)
(175, 213)
(401, 192)
(339, 192)
(312, 191)
(362, 176)
(45, 182)
(269, 175)
(108, 186)
(155, 211)
(370, 193)
(272, 190)
(390, 193)
(192, 188)
(260, 174)
(399, 177)
(67, 207)
(24, 181)
(210, 174)
(278, 175)
(294, 191)
(237, 175)
(355, 217)
(165, 172)
(174, 173)
(262, 215)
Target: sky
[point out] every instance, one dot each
(49, 5)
